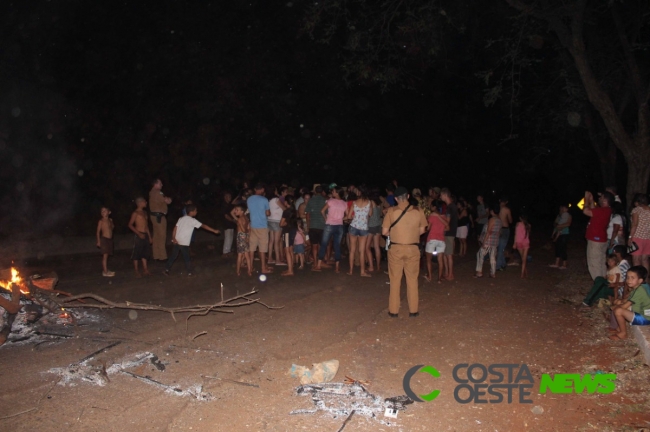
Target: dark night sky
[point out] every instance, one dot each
(96, 98)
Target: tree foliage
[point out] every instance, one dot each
(606, 45)
(390, 42)
(553, 62)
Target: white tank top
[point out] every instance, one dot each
(276, 210)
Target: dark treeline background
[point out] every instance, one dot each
(98, 98)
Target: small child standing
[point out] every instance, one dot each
(636, 309)
(105, 228)
(187, 202)
(289, 230)
(522, 242)
(243, 238)
(182, 237)
(142, 241)
(299, 244)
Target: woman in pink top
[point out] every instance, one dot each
(438, 224)
(522, 241)
(333, 212)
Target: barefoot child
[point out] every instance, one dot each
(299, 244)
(182, 236)
(436, 242)
(289, 230)
(489, 241)
(636, 309)
(243, 237)
(142, 241)
(522, 241)
(105, 239)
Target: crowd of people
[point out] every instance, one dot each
(296, 228)
(616, 285)
(312, 226)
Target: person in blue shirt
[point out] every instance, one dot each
(390, 197)
(259, 210)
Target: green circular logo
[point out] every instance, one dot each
(407, 383)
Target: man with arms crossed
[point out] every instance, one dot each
(158, 203)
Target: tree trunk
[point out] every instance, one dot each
(635, 145)
(638, 169)
(608, 164)
(604, 148)
(635, 148)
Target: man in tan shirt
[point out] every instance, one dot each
(404, 253)
(158, 209)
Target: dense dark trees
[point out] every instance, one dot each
(97, 98)
(595, 51)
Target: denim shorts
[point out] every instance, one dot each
(435, 247)
(374, 230)
(357, 232)
(299, 249)
(640, 320)
(274, 226)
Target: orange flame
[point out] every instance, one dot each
(15, 279)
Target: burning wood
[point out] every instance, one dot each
(39, 289)
(15, 286)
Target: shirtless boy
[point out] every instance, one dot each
(243, 237)
(105, 228)
(142, 241)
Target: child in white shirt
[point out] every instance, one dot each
(182, 236)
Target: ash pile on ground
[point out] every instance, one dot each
(98, 373)
(340, 400)
(34, 325)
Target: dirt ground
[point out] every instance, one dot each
(324, 316)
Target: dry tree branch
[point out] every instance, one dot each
(103, 303)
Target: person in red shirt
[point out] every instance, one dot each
(597, 232)
(438, 224)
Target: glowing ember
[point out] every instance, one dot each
(15, 279)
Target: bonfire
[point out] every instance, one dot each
(37, 289)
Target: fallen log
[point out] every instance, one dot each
(193, 310)
(104, 303)
(40, 289)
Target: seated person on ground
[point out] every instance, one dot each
(636, 308)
